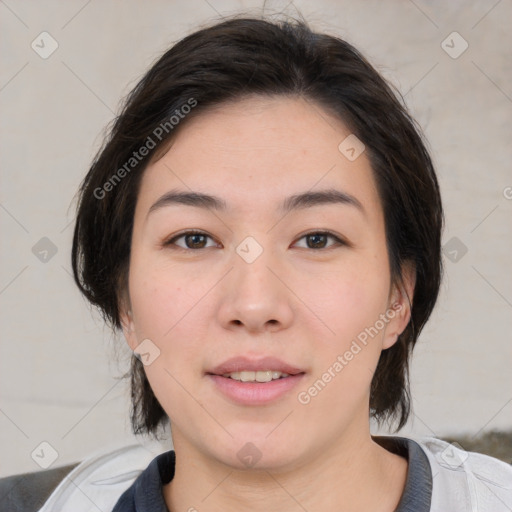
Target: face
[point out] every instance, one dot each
(268, 285)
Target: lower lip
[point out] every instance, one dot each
(255, 393)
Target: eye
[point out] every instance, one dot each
(319, 238)
(193, 240)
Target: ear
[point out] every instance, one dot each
(127, 322)
(400, 302)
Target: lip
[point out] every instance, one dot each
(255, 393)
(238, 364)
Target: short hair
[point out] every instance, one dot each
(230, 60)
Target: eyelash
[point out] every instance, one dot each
(172, 240)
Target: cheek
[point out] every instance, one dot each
(168, 306)
(163, 307)
(349, 301)
(347, 354)
(160, 299)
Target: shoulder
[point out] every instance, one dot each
(101, 479)
(464, 480)
(27, 492)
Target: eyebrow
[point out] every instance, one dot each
(294, 202)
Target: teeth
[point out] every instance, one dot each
(260, 376)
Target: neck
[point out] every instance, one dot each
(353, 474)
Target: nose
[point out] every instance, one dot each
(255, 296)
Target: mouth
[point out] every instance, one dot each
(255, 382)
(258, 376)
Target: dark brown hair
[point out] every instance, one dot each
(226, 61)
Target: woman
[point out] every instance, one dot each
(264, 225)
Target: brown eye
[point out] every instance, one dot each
(195, 241)
(318, 240)
(192, 240)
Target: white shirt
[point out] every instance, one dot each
(461, 481)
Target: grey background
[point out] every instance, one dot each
(58, 363)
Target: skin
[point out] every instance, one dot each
(305, 305)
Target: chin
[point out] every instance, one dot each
(258, 452)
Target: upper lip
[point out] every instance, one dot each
(238, 364)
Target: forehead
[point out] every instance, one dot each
(258, 150)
